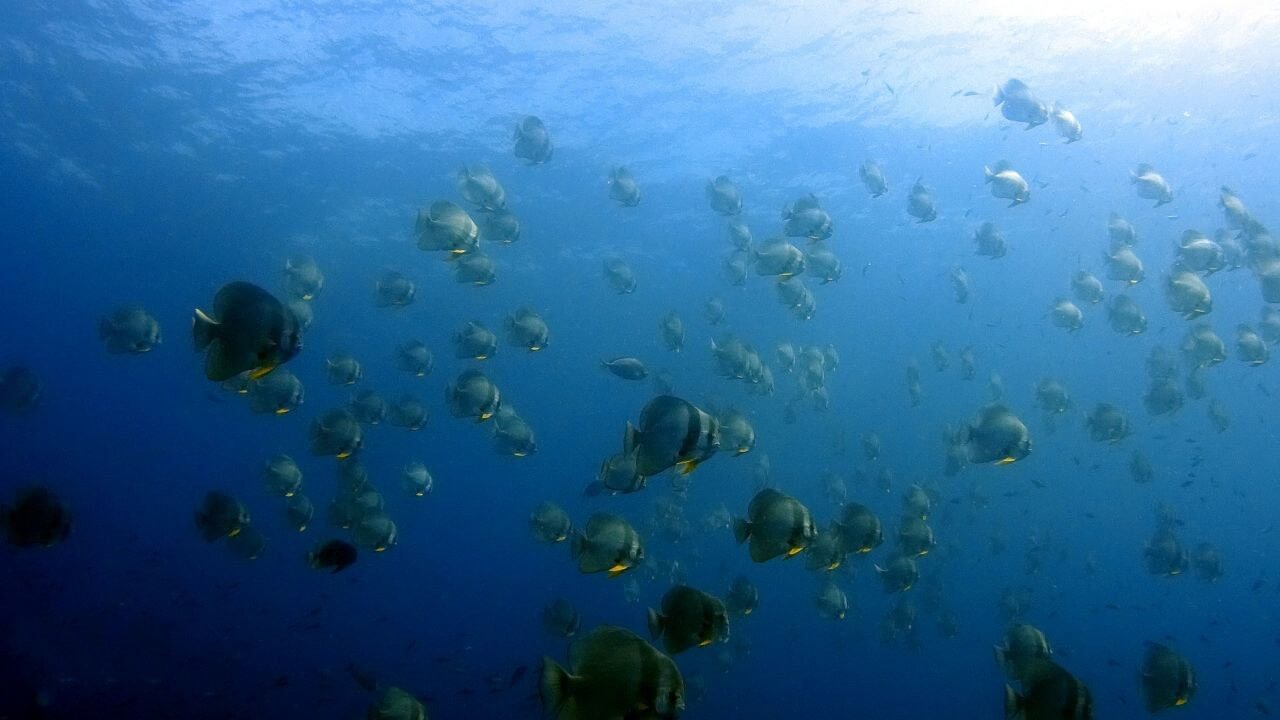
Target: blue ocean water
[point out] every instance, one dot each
(151, 152)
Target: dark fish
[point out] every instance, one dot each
(220, 515)
(1167, 678)
(37, 518)
(672, 432)
(614, 674)
(335, 554)
(533, 141)
(249, 330)
(689, 618)
(1053, 694)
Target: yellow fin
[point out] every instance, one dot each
(1180, 701)
(792, 552)
(684, 467)
(1006, 460)
(282, 411)
(704, 643)
(234, 532)
(260, 372)
(344, 455)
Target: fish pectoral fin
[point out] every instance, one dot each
(1006, 460)
(684, 467)
(260, 372)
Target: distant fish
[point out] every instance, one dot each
(1017, 103)
(362, 677)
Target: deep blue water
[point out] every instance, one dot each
(150, 153)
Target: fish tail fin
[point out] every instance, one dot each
(655, 624)
(1014, 705)
(556, 687)
(204, 329)
(741, 530)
